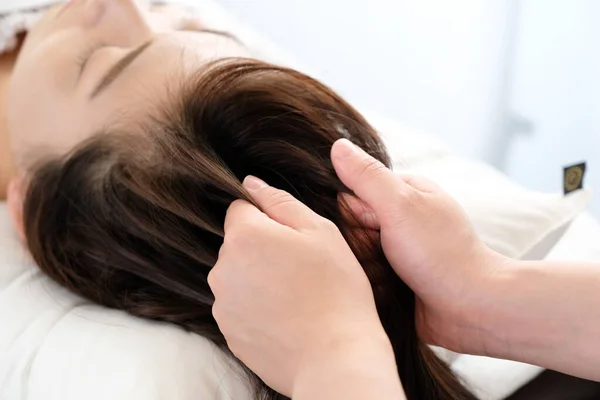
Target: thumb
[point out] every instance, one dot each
(371, 181)
(279, 205)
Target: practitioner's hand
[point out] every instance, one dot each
(429, 241)
(291, 298)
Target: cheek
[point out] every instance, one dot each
(44, 112)
(23, 104)
(38, 115)
(34, 88)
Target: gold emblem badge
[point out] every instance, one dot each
(573, 177)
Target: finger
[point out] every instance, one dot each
(360, 211)
(369, 179)
(280, 205)
(212, 281)
(240, 211)
(420, 183)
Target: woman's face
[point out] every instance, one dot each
(93, 63)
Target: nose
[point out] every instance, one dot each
(119, 22)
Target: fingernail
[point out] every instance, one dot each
(345, 148)
(253, 183)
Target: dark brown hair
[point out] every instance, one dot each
(135, 221)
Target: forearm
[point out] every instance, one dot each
(360, 369)
(545, 313)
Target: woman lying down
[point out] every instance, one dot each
(125, 142)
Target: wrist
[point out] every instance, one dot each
(340, 345)
(509, 320)
(349, 365)
(483, 313)
(525, 317)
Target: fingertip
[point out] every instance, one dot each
(240, 210)
(343, 148)
(252, 183)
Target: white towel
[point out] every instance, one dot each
(17, 16)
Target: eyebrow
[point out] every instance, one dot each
(116, 70)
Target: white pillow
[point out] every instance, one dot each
(57, 346)
(54, 345)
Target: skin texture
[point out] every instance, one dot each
(428, 240)
(469, 299)
(7, 62)
(454, 271)
(129, 212)
(293, 356)
(49, 82)
(135, 222)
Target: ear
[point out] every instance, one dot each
(14, 200)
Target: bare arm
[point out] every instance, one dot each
(347, 370)
(544, 313)
(469, 298)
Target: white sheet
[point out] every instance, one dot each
(57, 346)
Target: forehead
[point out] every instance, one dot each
(187, 51)
(212, 44)
(158, 73)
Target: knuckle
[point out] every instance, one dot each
(222, 251)
(280, 198)
(233, 206)
(213, 279)
(328, 225)
(235, 348)
(245, 237)
(233, 239)
(416, 198)
(372, 168)
(239, 236)
(220, 318)
(408, 205)
(216, 312)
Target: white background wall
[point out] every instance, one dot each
(459, 69)
(557, 86)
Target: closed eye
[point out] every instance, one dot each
(112, 74)
(86, 54)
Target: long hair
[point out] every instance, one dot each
(134, 221)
